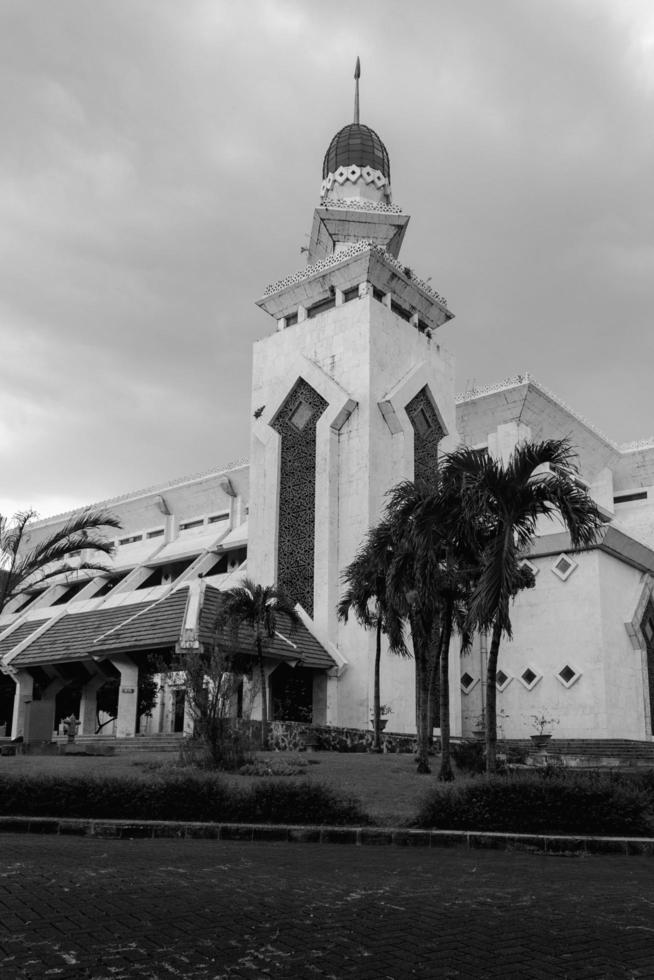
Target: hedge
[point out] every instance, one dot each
(534, 804)
(203, 796)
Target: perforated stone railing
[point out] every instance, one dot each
(361, 204)
(633, 447)
(356, 248)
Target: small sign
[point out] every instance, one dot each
(127, 690)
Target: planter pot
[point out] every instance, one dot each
(311, 743)
(382, 723)
(540, 741)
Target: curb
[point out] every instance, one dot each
(302, 834)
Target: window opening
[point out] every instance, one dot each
(626, 497)
(349, 294)
(325, 304)
(400, 311)
(301, 415)
(131, 539)
(422, 422)
(155, 534)
(187, 525)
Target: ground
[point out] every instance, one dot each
(113, 910)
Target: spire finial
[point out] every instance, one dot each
(357, 76)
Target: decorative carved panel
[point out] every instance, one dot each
(427, 433)
(296, 424)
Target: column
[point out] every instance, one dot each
(24, 691)
(87, 707)
(127, 696)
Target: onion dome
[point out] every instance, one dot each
(356, 145)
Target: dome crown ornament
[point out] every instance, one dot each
(356, 157)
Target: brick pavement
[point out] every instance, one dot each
(73, 908)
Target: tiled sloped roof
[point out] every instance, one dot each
(21, 633)
(72, 636)
(302, 644)
(157, 625)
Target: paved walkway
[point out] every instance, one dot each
(109, 910)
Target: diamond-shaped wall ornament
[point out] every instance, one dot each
(564, 566)
(368, 174)
(530, 677)
(532, 568)
(353, 173)
(379, 180)
(468, 682)
(502, 680)
(568, 675)
(341, 175)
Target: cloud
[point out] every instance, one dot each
(160, 163)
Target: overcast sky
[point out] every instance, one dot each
(160, 162)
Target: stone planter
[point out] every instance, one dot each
(541, 741)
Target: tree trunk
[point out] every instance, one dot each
(419, 641)
(264, 697)
(491, 700)
(445, 775)
(376, 707)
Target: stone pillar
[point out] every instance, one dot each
(319, 715)
(49, 695)
(24, 691)
(506, 437)
(127, 696)
(87, 706)
(331, 705)
(189, 716)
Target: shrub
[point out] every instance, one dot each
(311, 803)
(174, 796)
(560, 804)
(469, 756)
(275, 767)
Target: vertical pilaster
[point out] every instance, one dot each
(87, 705)
(24, 693)
(127, 696)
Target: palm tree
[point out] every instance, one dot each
(497, 512)
(365, 578)
(413, 585)
(438, 589)
(258, 607)
(25, 567)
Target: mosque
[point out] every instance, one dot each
(351, 393)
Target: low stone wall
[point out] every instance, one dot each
(293, 736)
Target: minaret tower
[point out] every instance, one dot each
(350, 395)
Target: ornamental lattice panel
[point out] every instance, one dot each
(427, 433)
(296, 424)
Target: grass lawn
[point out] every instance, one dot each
(387, 786)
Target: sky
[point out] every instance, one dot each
(160, 163)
